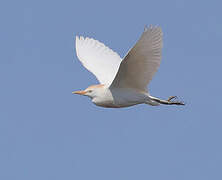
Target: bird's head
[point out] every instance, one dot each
(91, 91)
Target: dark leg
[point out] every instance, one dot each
(167, 102)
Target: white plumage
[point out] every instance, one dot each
(141, 62)
(102, 61)
(123, 82)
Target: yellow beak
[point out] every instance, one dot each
(79, 92)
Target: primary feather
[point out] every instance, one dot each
(98, 59)
(142, 61)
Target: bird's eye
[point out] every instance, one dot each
(89, 91)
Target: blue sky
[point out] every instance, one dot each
(48, 133)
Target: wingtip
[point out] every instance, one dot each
(146, 28)
(81, 37)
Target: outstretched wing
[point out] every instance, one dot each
(98, 59)
(142, 61)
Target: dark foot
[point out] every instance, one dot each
(171, 97)
(175, 101)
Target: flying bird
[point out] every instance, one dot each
(123, 82)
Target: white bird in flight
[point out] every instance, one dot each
(123, 82)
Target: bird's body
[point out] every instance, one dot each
(123, 82)
(118, 97)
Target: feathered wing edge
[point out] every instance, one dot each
(99, 59)
(141, 62)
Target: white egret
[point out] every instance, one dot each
(123, 82)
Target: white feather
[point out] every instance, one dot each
(142, 61)
(98, 59)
